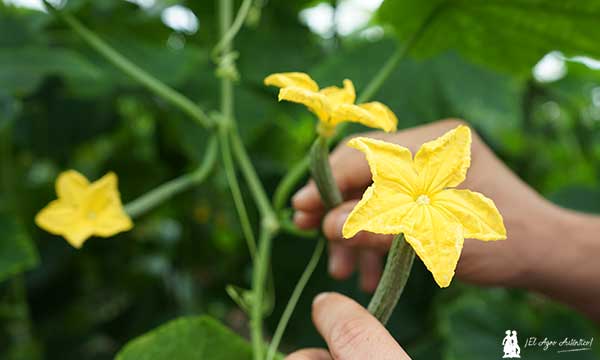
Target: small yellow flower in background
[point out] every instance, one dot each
(412, 196)
(332, 105)
(83, 209)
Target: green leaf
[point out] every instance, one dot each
(186, 338)
(509, 35)
(17, 252)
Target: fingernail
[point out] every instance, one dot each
(301, 194)
(298, 216)
(320, 297)
(341, 220)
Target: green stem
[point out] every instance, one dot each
(227, 95)
(269, 224)
(259, 275)
(232, 31)
(227, 106)
(227, 112)
(321, 173)
(287, 226)
(234, 186)
(386, 70)
(131, 69)
(397, 270)
(151, 199)
(288, 182)
(293, 301)
(269, 228)
(254, 183)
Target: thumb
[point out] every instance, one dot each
(351, 332)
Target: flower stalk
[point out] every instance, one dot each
(395, 275)
(321, 173)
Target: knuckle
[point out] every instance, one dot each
(360, 239)
(347, 336)
(454, 122)
(451, 123)
(371, 134)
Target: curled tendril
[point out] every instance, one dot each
(226, 67)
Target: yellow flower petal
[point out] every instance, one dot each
(477, 214)
(104, 208)
(437, 240)
(56, 217)
(345, 95)
(61, 218)
(316, 102)
(410, 197)
(373, 114)
(388, 162)
(444, 162)
(332, 105)
(385, 117)
(111, 221)
(295, 79)
(71, 186)
(78, 233)
(381, 210)
(101, 194)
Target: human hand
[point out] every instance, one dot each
(350, 332)
(488, 263)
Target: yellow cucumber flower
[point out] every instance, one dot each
(332, 105)
(413, 196)
(83, 209)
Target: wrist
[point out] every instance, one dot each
(561, 259)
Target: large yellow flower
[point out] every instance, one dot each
(332, 105)
(412, 196)
(83, 209)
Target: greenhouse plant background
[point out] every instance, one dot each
(531, 89)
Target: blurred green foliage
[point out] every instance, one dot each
(62, 106)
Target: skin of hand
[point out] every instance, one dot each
(350, 332)
(549, 249)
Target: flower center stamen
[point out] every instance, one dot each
(423, 200)
(91, 215)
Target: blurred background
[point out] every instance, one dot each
(62, 106)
